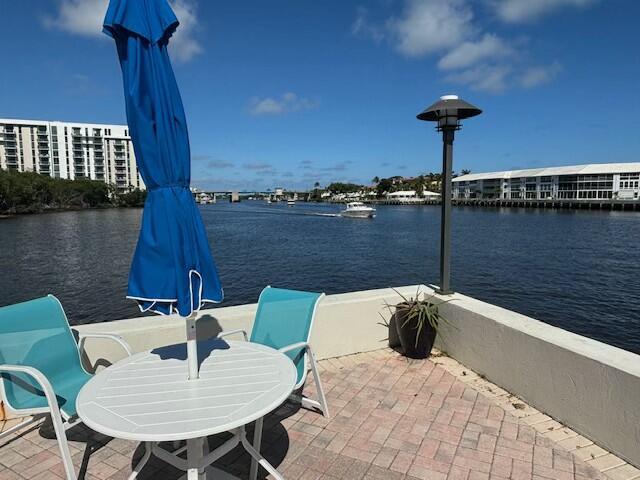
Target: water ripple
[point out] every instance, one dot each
(573, 269)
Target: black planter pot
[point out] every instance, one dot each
(394, 338)
(407, 335)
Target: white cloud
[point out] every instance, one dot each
(267, 106)
(486, 78)
(363, 27)
(489, 47)
(428, 26)
(524, 10)
(184, 45)
(539, 75)
(80, 17)
(497, 77)
(468, 53)
(84, 17)
(286, 103)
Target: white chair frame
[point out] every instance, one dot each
(310, 360)
(61, 421)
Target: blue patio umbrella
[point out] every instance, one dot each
(172, 269)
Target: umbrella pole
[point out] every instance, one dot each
(192, 346)
(196, 447)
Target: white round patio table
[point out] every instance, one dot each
(149, 398)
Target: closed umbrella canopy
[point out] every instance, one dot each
(172, 268)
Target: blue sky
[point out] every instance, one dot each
(292, 92)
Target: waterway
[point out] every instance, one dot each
(574, 269)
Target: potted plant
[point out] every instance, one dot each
(415, 321)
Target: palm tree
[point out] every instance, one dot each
(375, 180)
(316, 185)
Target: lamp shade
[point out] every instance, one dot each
(448, 111)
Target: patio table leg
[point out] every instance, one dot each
(143, 461)
(195, 449)
(257, 440)
(259, 458)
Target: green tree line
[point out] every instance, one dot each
(30, 192)
(339, 187)
(428, 181)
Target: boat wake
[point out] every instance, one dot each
(287, 212)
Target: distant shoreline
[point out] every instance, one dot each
(6, 216)
(24, 193)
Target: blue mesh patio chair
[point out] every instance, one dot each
(41, 372)
(283, 321)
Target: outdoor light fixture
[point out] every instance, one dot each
(448, 111)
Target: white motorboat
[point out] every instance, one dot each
(358, 210)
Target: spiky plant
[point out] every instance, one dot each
(424, 311)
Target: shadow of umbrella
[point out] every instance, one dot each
(178, 351)
(275, 446)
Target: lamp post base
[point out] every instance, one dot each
(440, 291)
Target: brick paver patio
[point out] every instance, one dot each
(391, 420)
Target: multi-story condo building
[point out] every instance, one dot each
(616, 181)
(70, 151)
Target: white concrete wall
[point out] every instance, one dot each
(345, 324)
(591, 387)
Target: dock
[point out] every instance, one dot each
(572, 204)
(575, 204)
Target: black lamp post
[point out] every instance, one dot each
(448, 111)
